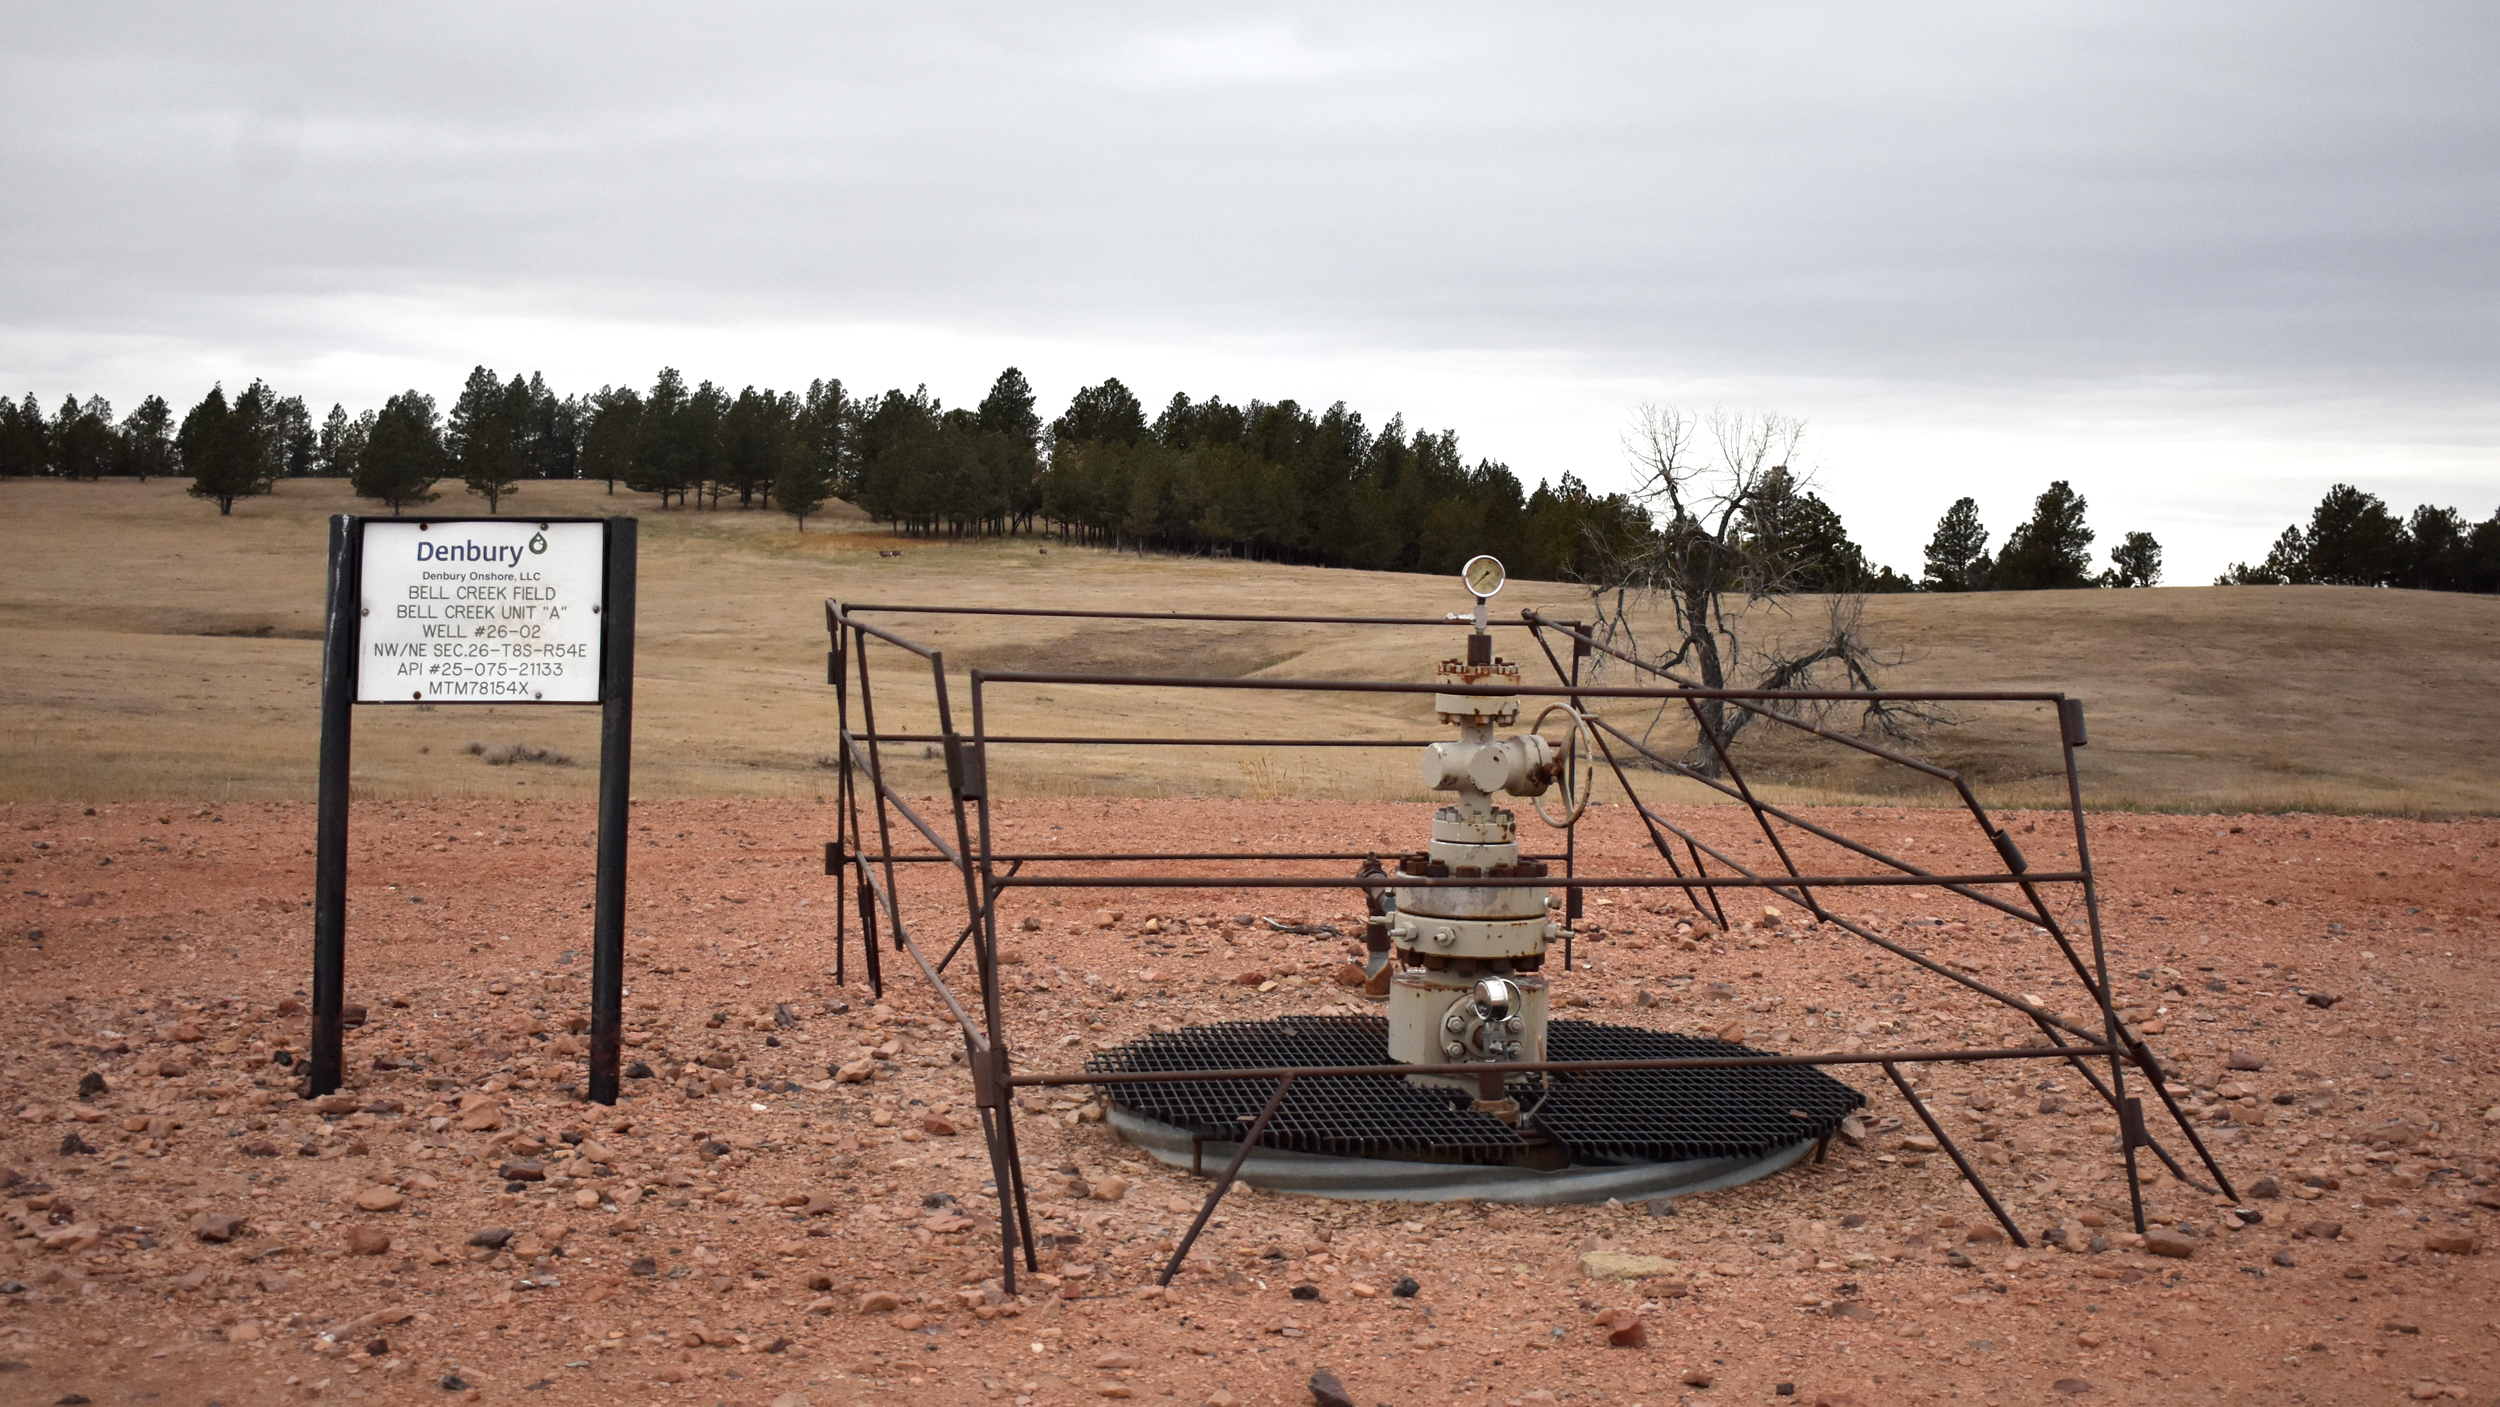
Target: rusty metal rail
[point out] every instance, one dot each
(863, 852)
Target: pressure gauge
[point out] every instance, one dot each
(1483, 576)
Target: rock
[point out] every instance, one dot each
(2244, 1060)
(2072, 1387)
(938, 1126)
(1350, 975)
(2162, 1241)
(481, 1119)
(1406, 1288)
(2320, 1000)
(1114, 1361)
(1221, 1398)
(522, 1170)
(92, 1084)
(2266, 1188)
(2323, 1230)
(1617, 1265)
(1251, 978)
(1326, 1391)
(2284, 1259)
(638, 1070)
(1623, 1329)
(336, 1104)
(1111, 1189)
(72, 1146)
(2454, 1243)
(858, 1072)
(492, 1238)
(380, 1199)
(368, 1240)
(792, 1399)
(878, 1302)
(2401, 1326)
(1696, 1377)
(219, 1226)
(2426, 1390)
(1115, 1390)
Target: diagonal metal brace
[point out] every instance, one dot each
(1224, 1183)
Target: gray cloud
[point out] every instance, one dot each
(2263, 223)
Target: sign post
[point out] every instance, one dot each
(476, 611)
(616, 747)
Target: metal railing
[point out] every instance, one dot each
(962, 840)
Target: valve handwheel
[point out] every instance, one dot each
(1575, 770)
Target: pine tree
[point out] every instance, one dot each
(1957, 556)
(2135, 561)
(147, 440)
(293, 442)
(2353, 540)
(404, 456)
(484, 437)
(2053, 550)
(608, 426)
(800, 484)
(226, 446)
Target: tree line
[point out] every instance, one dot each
(2049, 551)
(1272, 481)
(2354, 539)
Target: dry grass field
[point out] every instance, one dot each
(153, 649)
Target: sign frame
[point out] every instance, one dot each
(341, 661)
(427, 522)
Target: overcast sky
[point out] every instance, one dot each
(2202, 260)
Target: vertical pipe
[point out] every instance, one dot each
(616, 756)
(885, 819)
(339, 638)
(2069, 736)
(1573, 899)
(838, 675)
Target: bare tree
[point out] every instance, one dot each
(1714, 485)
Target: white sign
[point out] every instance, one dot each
(480, 611)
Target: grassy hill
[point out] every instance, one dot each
(153, 649)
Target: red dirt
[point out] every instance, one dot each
(170, 934)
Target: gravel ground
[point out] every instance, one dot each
(747, 1228)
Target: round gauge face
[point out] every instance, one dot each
(1483, 575)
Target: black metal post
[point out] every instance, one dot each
(338, 710)
(616, 755)
(1573, 898)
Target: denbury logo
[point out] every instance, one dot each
(538, 543)
(502, 555)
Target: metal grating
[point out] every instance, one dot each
(1670, 1115)
(1617, 1116)
(1363, 1116)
